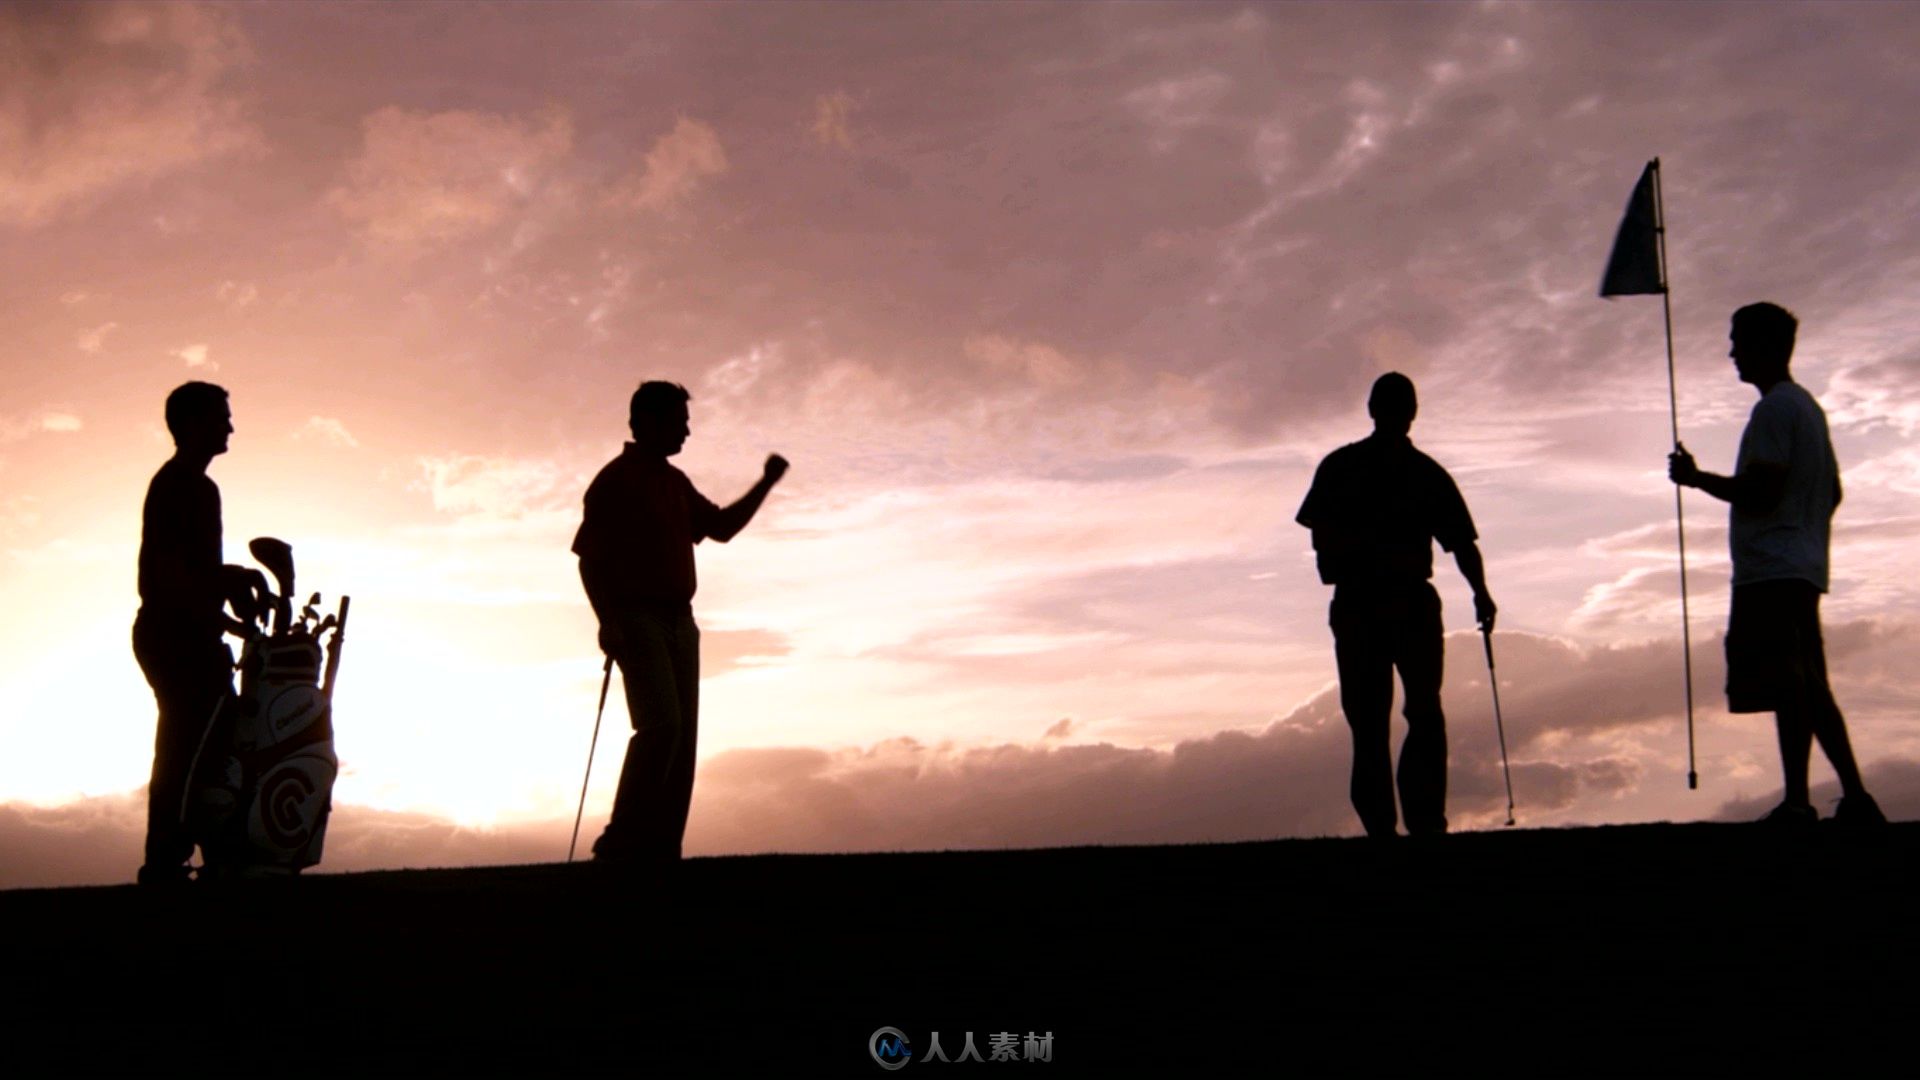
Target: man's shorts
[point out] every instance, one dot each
(1775, 657)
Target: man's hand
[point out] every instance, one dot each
(1484, 611)
(247, 591)
(611, 639)
(245, 579)
(1681, 468)
(776, 468)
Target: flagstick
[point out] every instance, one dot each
(1679, 508)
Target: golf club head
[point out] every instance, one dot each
(277, 557)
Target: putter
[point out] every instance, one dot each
(1499, 726)
(606, 680)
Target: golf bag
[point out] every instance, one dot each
(264, 777)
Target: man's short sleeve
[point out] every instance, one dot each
(588, 540)
(1452, 523)
(1769, 436)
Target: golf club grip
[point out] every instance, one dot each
(333, 650)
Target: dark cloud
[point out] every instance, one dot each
(1286, 780)
(86, 842)
(98, 841)
(100, 96)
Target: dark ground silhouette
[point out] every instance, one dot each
(1530, 953)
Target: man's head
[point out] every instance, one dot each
(658, 417)
(199, 419)
(1392, 404)
(1762, 337)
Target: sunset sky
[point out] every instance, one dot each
(1053, 307)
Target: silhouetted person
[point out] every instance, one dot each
(643, 517)
(1783, 492)
(1375, 508)
(184, 585)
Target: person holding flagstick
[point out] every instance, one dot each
(1638, 267)
(1781, 498)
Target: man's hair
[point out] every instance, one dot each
(657, 399)
(193, 403)
(1392, 396)
(1771, 326)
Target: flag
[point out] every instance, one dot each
(1634, 269)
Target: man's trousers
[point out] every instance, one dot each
(1377, 629)
(659, 660)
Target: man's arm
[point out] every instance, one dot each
(1757, 489)
(599, 595)
(728, 522)
(1474, 569)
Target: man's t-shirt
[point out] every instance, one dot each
(642, 519)
(1375, 508)
(180, 551)
(1787, 429)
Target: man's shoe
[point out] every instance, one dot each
(1791, 816)
(164, 875)
(1859, 812)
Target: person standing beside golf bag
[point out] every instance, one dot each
(642, 519)
(1375, 508)
(184, 585)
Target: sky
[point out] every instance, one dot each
(1053, 307)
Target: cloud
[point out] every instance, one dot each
(54, 421)
(86, 842)
(195, 356)
(92, 341)
(101, 96)
(99, 841)
(677, 164)
(830, 114)
(725, 650)
(1287, 779)
(492, 487)
(327, 429)
(429, 177)
(238, 294)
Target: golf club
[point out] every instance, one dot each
(606, 680)
(1493, 680)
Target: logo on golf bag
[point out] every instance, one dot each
(285, 810)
